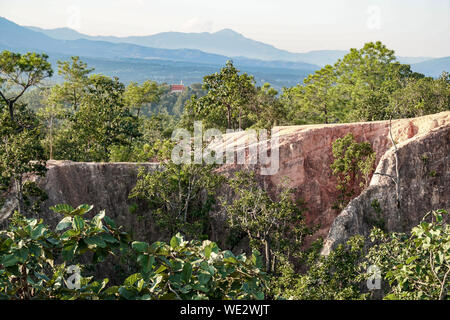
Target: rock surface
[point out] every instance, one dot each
(305, 155)
(424, 180)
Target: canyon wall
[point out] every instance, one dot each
(305, 154)
(424, 185)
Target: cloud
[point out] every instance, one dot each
(197, 25)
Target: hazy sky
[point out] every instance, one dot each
(410, 27)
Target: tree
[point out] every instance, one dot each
(226, 105)
(292, 99)
(21, 153)
(179, 195)
(50, 113)
(366, 78)
(353, 164)
(266, 110)
(274, 224)
(136, 96)
(416, 265)
(420, 97)
(101, 122)
(76, 81)
(19, 72)
(319, 98)
(334, 277)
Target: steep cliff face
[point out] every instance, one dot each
(424, 185)
(305, 154)
(105, 185)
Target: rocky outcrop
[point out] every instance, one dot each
(105, 185)
(424, 185)
(305, 154)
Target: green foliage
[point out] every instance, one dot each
(227, 102)
(320, 100)
(333, 277)
(75, 85)
(154, 144)
(192, 270)
(353, 165)
(100, 122)
(180, 196)
(34, 263)
(51, 115)
(420, 97)
(19, 72)
(365, 85)
(366, 78)
(276, 225)
(34, 258)
(416, 266)
(266, 109)
(137, 96)
(21, 153)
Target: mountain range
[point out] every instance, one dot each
(224, 42)
(174, 56)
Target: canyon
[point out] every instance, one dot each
(305, 154)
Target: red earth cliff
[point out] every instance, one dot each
(305, 155)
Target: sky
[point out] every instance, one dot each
(410, 27)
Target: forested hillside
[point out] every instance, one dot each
(91, 117)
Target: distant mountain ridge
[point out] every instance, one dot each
(133, 59)
(224, 42)
(16, 36)
(165, 65)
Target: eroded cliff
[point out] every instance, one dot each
(305, 154)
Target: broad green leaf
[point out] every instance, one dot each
(64, 223)
(62, 208)
(110, 222)
(108, 238)
(140, 246)
(69, 251)
(81, 210)
(95, 240)
(187, 272)
(174, 242)
(146, 262)
(9, 260)
(127, 294)
(131, 280)
(203, 278)
(38, 231)
(78, 223)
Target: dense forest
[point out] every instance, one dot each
(89, 117)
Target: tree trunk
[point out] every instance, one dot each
(267, 254)
(11, 110)
(229, 117)
(240, 114)
(19, 190)
(51, 138)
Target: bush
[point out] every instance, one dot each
(39, 263)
